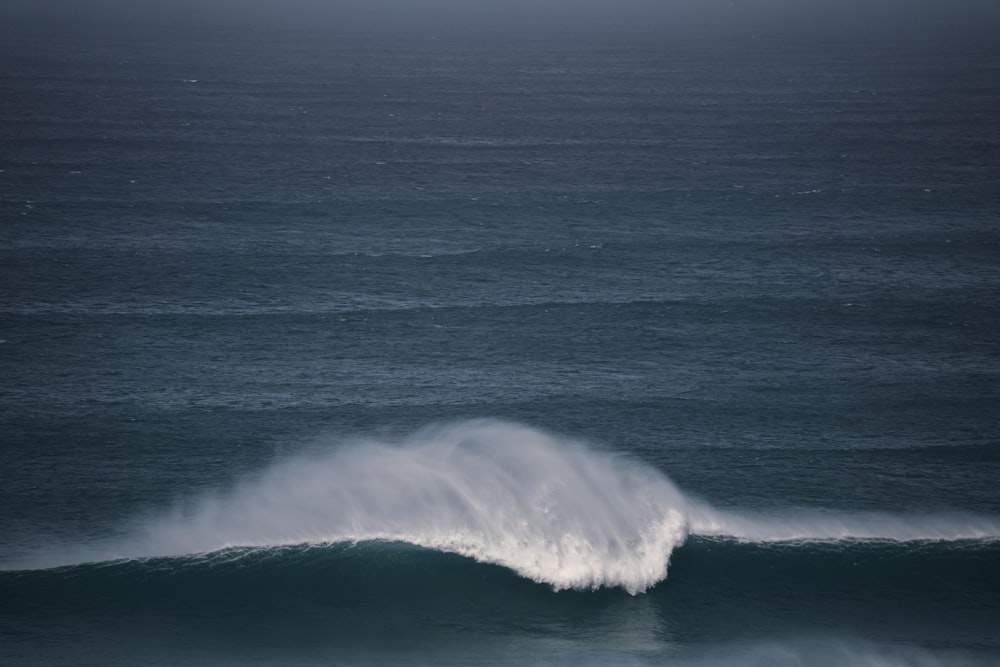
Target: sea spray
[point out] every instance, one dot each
(549, 508)
(818, 525)
(553, 509)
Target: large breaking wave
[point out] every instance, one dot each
(552, 509)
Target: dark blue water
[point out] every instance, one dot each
(338, 345)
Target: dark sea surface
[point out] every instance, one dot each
(637, 346)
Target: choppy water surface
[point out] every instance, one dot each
(518, 347)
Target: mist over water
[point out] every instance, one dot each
(737, 255)
(547, 507)
(554, 510)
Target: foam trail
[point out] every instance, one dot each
(551, 509)
(820, 525)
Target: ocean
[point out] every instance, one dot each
(394, 342)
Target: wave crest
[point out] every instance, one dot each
(553, 510)
(549, 508)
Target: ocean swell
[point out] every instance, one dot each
(552, 509)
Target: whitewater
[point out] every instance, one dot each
(554, 509)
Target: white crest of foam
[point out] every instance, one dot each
(552, 509)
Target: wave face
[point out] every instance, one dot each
(396, 598)
(552, 509)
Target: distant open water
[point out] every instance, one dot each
(643, 351)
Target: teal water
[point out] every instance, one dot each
(625, 346)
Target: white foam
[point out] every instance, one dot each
(554, 510)
(814, 525)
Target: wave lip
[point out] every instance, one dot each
(553, 510)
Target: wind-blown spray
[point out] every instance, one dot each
(552, 509)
